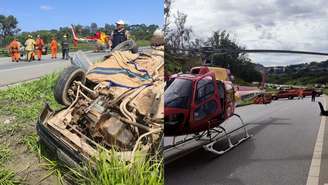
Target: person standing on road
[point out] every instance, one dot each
(65, 48)
(313, 96)
(54, 48)
(14, 47)
(39, 46)
(29, 48)
(119, 35)
(300, 93)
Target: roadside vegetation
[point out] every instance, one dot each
(9, 28)
(109, 169)
(325, 91)
(301, 74)
(245, 102)
(7, 177)
(23, 104)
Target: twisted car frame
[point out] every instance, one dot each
(115, 104)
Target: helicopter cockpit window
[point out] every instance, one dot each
(204, 110)
(205, 89)
(178, 94)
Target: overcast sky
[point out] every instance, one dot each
(264, 24)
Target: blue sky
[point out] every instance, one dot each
(46, 14)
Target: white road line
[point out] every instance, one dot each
(314, 172)
(27, 67)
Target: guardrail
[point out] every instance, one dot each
(4, 52)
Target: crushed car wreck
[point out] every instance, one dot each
(115, 104)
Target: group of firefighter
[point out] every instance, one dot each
(37, 46)
(301, 94)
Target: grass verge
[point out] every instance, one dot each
(5, 153)
(7, 177)
(325, 91)
(245, 102)
(25, 101)
(110, 169)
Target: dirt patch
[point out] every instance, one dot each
(25, 163)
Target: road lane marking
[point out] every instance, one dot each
(314, 172)
(27, 67)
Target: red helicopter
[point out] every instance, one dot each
(100, 39)
(197, 103)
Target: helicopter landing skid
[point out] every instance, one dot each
(220, 129)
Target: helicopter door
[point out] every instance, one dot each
(206, 103)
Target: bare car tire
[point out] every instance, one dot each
(65, 81)
(126, 46)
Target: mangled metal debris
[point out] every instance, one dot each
(115, 104)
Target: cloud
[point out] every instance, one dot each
(46, 7)
(264, 24)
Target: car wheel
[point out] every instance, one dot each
(65, 84)
(126, 46)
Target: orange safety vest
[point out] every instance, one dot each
(53, 44)
(39, 43)
(14, 46)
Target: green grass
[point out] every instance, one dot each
(240, 81)
(32, 143)
(4, 52)
(142, 43)
(25, 102)
(110, 169)
(325, 91)
(8, 177)
(5, 153)
(9, 129)
(50, 162)
(245, 102)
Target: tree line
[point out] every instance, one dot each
(301, 74)
(9, 29)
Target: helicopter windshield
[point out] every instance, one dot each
(178, 94)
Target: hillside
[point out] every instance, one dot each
(299, 74)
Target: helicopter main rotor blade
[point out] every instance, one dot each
(282, 51)
(213, 50)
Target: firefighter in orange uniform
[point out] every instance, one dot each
(39, 46)
(14, 50)
(54, 48)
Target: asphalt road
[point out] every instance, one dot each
(279, 153)
(12, 72)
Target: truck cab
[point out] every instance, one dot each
(192, 101)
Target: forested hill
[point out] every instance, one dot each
(299, 74)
